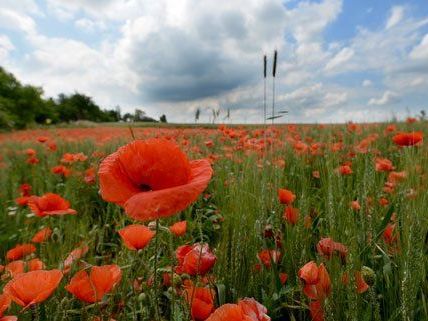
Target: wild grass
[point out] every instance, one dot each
(242, 203)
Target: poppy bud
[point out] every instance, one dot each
(142, 297)
(368, 275)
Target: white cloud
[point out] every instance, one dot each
(89, 25)
(421, 50)
(5, 47)
(10, 19)
(22, 6)
(418, 81)
(341, 57)
(335, 98)
(172, 57)
(388, 97)
(367, 83)
(308, 19)
(396, 15)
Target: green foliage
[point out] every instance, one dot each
(79, 106)
(163, 119)
(22, 106)
(232, 215)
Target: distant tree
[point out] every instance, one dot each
(423, 115)
(24, 105)
(21, 105)
(111, 116)
(48, 114)
(6, 119)
(139, 115)
(163, 119)
(78, 107)
(118, 112)
(128, 117)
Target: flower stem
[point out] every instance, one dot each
(34, 313)
(155, 281)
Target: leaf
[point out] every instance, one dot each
(221, 293)
(385, 221)
(274, 117)
(379, 230)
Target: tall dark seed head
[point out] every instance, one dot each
(274, 63)
(264, 65)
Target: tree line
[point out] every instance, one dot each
(22, 106)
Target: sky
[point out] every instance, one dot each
(338, 60)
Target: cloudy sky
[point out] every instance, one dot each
(339, 60)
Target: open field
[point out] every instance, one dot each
(345, 238)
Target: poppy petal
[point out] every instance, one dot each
(166, 202)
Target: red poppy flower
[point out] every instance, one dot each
(345, 170)
(22, 200)
(285, 196)
(316, 310)
(283, 278)
(152, 179)
(4, 305)
(309, 273)
(395, 177)
(253, 310)
(90, 176)
(61, 170)
(247, 309)
(42, 235)
(317, 283)
(355, 205)
(324, 285)
(32, 160)
(18, 267)
(326, 247)
(383, 165)
(383, 201)
(33, 287)
(30, 152)
(93, 286)
(195, 260)
(201, 301)
(227, 312)
(9, 318)
(76, 254)
(408, 139)
(361, 284)
(35, 264)
(269, 256)
(136, 237)
(52, 146)
(15, 267)
(42, 139)
(25, 189)
(291, 215)
(179, 228)
(20, 251)
(50, 204)
(71, 158)
(388, 234)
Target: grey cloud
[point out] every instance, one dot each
(176, 66)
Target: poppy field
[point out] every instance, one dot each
(227, 223)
